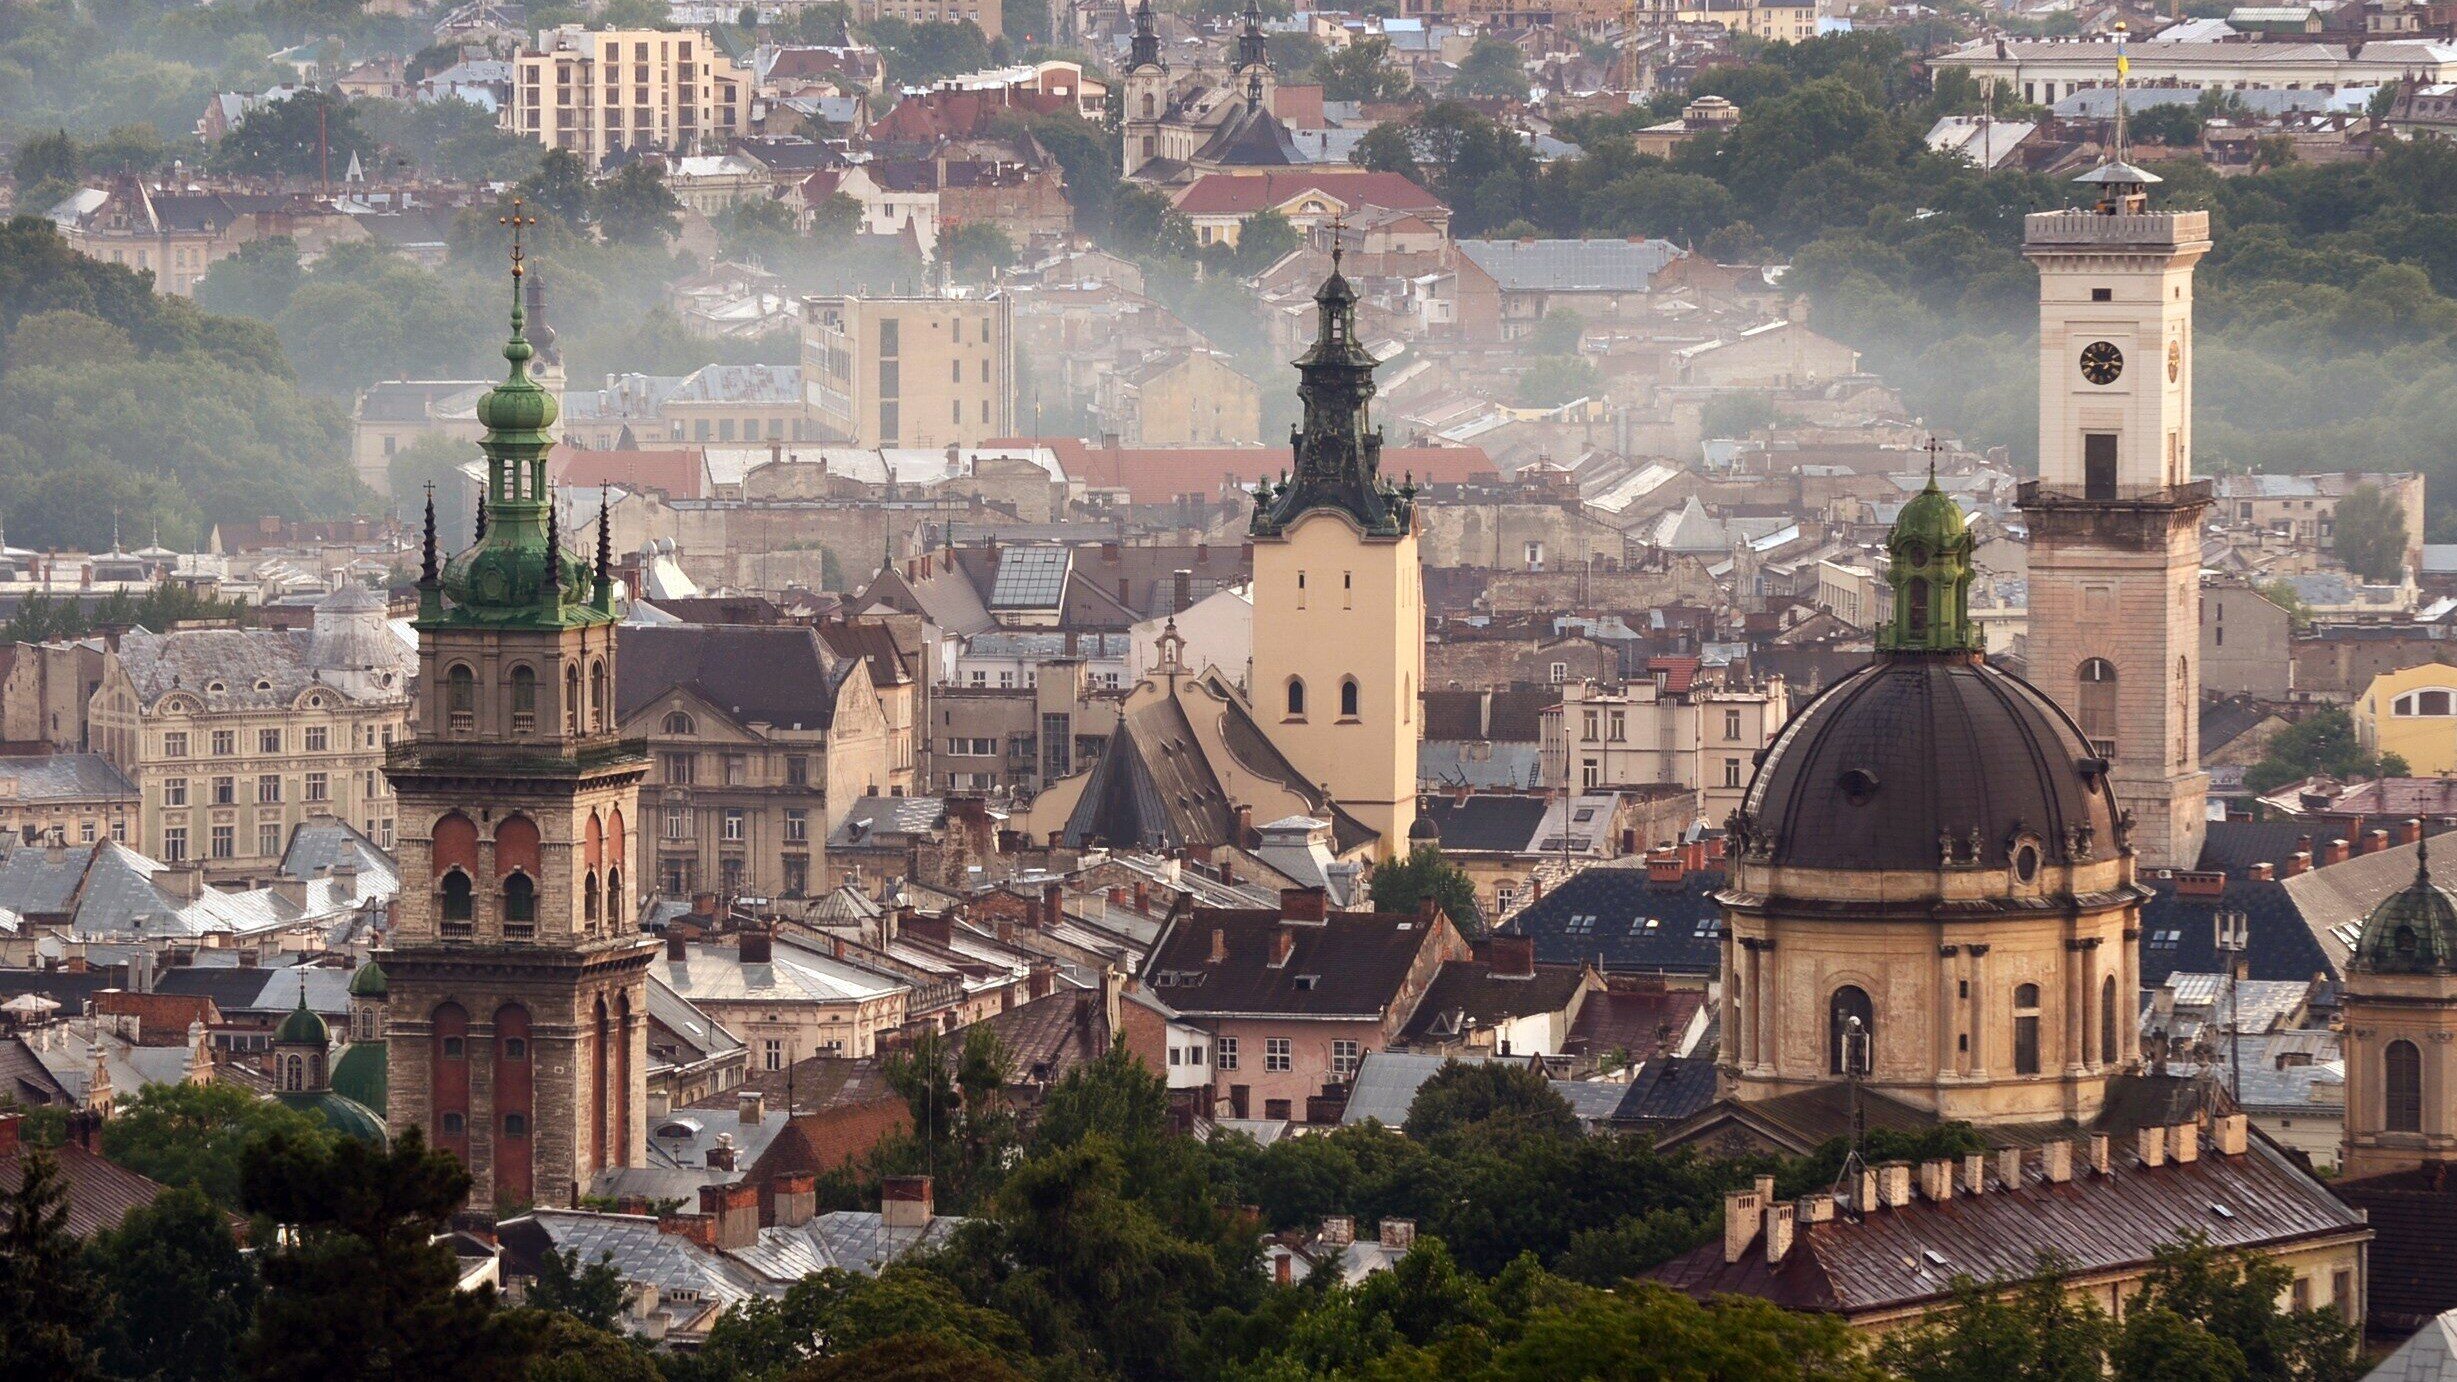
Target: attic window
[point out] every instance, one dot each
(1858, 784)
(1584, 813)
(263, 685)
(1935, 1258)
(2221, 1210)
(1708, 927)
(1307, 983)
(216, 687)
(2166, 940)
(2407, 942)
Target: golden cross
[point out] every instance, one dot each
(516, 221)
(1339, 227)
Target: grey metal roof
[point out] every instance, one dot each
(713, 973)
(851, 1239)
(63, 777)
(1592, 1100)
(681, 1140)
(640, 1253)
(1572, 265)
(1386, 1084)
(869, 817)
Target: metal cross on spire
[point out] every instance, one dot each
(1932, 458)
(1339, 236)
(518, 223)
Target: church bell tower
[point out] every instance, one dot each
(2115, 515)
(516, 1031)
(1339, 605)
(1147, 93)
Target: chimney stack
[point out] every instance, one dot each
(735, 1209)
(2184, 1143)
(1864, 1191)
(677, 949)
(758, 947)
(1398, 1235)
(904, 1202)
(2410, 830)
(2375, 841)
(754, 1106)
(1894, 1184)
(1975, 1173)
(2264, 872)
(721, 1155)
(1778, 1232)
(1283, 945)
(2056, 1162)
(797, 1198)
(1741, 1210)
(2228, 1134)
(1338, 1230)
(2009, 1167)
(2102, 1158)
(1815, 1209)
(1937, 1179)
(1219, 946)
(2333, 852)
(2152, 1146)
(1302, 904)
(1511, 957)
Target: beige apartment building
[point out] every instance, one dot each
(910, 371)
(234, 737)
(988, 14)
(759, 738)
(1701, 737)
(600, 94)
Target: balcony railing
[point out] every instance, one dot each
(2192, 493)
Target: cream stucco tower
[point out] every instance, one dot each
(1339, 605)
(2115, 515)
(2401, 1032)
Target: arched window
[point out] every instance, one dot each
(614, 894)
(1918, 591)
(519, 899)
(1347, 697)
(294, 1074)
(459, 898)
(1147, 105)
(2026, 1029)
(571, 698)
(2401, 1078)
(524, 699)
(679, 725)
(1851, 1032)
(2098, 704)
(1296, 696)
(597, 695)
(2107, 1020)
(461, 696)
(589, 900)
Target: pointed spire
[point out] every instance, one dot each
(604, 593)
(429, 571)
(1253, 52)
(480, 522)
(1147, 37)
(554, 553)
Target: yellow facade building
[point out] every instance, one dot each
(926, 371)
(599, 94)
(2413, 714)
(1339, 604)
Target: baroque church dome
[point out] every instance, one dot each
(1929, 757)
(2413, 930)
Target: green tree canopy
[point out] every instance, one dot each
(1362, 71)
(1493, 67)
(2370, 532)
(182, 1292)
(201, 1135)
(2323, 741)
(1425, 875)
(1462, 1095)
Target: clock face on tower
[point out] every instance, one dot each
(2102, 362)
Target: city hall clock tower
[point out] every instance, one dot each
(2115, 515)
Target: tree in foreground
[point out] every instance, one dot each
(48, 1301)
(181, 1290)
(357, 1286)
(1425, 873)
(1460, 1095)
(201, 1135)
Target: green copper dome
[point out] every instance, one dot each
(2413, 931)
(360, 1074)
(342, 1114)
(302, 1027)
(369, 981)
(518, 404)
(1929, 568)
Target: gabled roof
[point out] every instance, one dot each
(1349, 965)
(1624, 266)
(1602, 916)
(1466, 994)
(1243, 194)
(778, 675)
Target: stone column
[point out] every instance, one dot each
(1949, 1008)
(2094, 1056)
(2073, 1013)
(1769, 1034)
(1729, 1001)
(2128, 989)
(1978, 1064)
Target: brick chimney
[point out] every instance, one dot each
(677, 948)
(1975, 1173)
(1779, 1219)
(904, 1202)
(2375, 841)
(1937, 1179)
(2333, 852)
(721, 1155)
(1742, 1210)
(1668, 869)
(2009, 1167)
(1398, 1235)
(735, 1208)
(754, 1106)
(1283, 945)
(2264, 872)
(1815, 1209)
(1338, 1230)
(1219, 946)
(2056, 1162)
(1511, 957)
(2299, 862)
(2102, 1154)
(1053, 903)
(1894, 1184)
(2184, 1143)
(1302, 904)
(2152, 1146)
(2201, 882)
(699, 1228)
(2409, 830)
(1864, 1191)
(2228, 1134)
(758, 948)
(796, 1197)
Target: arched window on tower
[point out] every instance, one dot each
(571, 698)
(1347, 697)
(1147, 105)
(2026, 1029)
(1850, 1049)
(519, 900)
(589, 900)
(458, 897)
(461, 698)
(2401, 1078)
(1296, 698)
(294, 1074)
(597, 695)
(524, 699)
(2097, 703)
(2107, 1021)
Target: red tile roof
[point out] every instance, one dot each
(100, 1194)
(1223, 194)
(1159, 474)
(1680, 672)
(678, 473)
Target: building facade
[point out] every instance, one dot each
(234, 737)
(1339, 594)
(910, 371)
(607, 92)
(1601, 738)
(517, 1022)
(2115, 515)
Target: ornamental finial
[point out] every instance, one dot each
(518, 223)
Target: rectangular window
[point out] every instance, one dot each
(175, 744)
(319, 787)
(269, 839)
(797, 825)
(737, 770)
(225, 791)
(678, 768)
(1731, 724)
(225, 841)
(269, 787)
(174, 791)
(2342, 1292)
(268, 741)
(225, 743)
(2099, 465)
(890, 330)
(1228, 1052)
(678, 822)
(1278, 1054)
(891, 425)
(319, 738)
(1344, 1058)
(1731, 772)
(733, 824)
(772, 1053)
(797, 770)
(2026, 1045)
(1589, 720)
(1620, 726)
(2302, 1293)
(175, 845)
